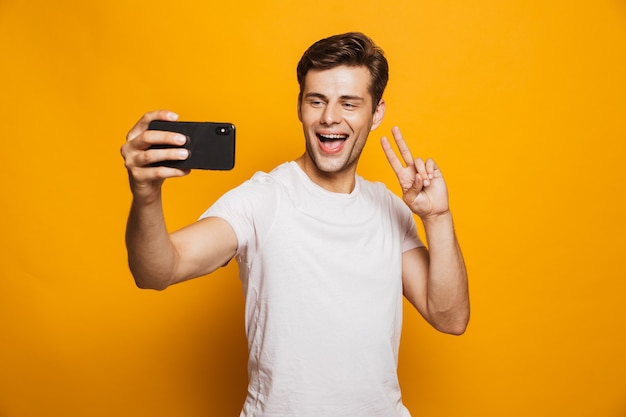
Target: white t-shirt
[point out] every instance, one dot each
(321, 275)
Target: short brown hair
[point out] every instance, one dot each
(353, 49)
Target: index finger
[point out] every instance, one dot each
(145, 120)
(395, 163)
(402, 146)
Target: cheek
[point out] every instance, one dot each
(307, 118)
(359, 121)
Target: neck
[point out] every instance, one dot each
(336, 182)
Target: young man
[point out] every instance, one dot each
(324, 255)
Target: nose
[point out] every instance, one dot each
(331, 114)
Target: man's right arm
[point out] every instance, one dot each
(157, 258)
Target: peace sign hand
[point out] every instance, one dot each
(423, 187)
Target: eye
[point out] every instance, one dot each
(349, 105)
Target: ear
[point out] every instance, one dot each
(300, 109)
(379, 113)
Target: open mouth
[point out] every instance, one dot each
(331, 142)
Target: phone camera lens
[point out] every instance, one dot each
(222, 130)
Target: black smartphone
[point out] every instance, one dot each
(211, 145)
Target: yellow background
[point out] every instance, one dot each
(522, 103)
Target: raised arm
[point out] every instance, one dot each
(434, 280)
(156, 258)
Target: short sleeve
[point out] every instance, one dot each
(411, 239)
(250, 210)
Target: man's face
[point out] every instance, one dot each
(336, 115)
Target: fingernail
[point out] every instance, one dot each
(180, 139)
(183, 153)
(172, 116)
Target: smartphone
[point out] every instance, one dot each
(211, 145)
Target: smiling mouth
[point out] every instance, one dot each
(331, 142)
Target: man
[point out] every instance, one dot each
(324, 255)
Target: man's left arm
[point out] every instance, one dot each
(434, 279)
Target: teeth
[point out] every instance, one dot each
(333, 137)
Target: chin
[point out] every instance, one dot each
(330, 165)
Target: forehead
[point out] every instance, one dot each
(339, 81)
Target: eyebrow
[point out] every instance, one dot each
(344, 97)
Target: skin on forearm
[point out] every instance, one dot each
(447, 300)
(151, 255)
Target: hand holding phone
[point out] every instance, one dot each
(211, 145)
